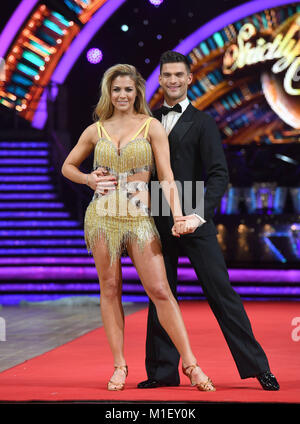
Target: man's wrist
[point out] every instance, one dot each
(201, 220)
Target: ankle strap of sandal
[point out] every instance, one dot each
(122, 368)
(193, 366)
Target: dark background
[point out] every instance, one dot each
(174, 20)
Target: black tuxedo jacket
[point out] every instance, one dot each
(196, 154)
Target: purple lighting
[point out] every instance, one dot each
(156, 2)
(79, 43)
(289, 277)
(14, 24)
(94, 56)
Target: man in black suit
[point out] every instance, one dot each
(197, 155)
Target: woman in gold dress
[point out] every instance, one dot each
(128, 143)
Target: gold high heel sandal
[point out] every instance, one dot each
(207, 386)
(111, 385)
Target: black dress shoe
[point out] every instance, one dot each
(268, 381)
(153, 384)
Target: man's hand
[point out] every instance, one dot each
(186, 224)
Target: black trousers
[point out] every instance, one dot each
(162, 358)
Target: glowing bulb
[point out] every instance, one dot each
(94, 55)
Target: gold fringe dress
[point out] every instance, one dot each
(123, 214)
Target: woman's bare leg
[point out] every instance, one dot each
(150, 266)
(110, 278)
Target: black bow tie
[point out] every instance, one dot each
(165, 109)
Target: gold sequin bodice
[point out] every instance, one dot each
(136, 154)
(132, 163)
(122, 214)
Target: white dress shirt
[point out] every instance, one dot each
(168, 121)
(171, 118)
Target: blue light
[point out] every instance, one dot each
(274, 249)
(53, 26)
(125, 28)
(73, 6)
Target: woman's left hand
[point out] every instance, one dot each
(178, 227)
(174, 231)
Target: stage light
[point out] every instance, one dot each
(287, 159)
(230, 201)
(124, 28)
(295, 193)
(159, 36)
(265, 198)
(94, 56)
(156, 2)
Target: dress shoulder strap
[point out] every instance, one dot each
(145, 124)
(99, 128)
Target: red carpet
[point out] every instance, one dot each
(79, 370)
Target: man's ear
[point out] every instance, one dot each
(190, 78)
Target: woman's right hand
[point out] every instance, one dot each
(100, 181)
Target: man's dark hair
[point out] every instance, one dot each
(173, 57)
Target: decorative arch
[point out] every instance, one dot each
(211, 27)
(249, 105)
(46, 46)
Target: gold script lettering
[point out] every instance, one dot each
(290, 76)
(283, 47)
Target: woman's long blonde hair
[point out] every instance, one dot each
(104, 108)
